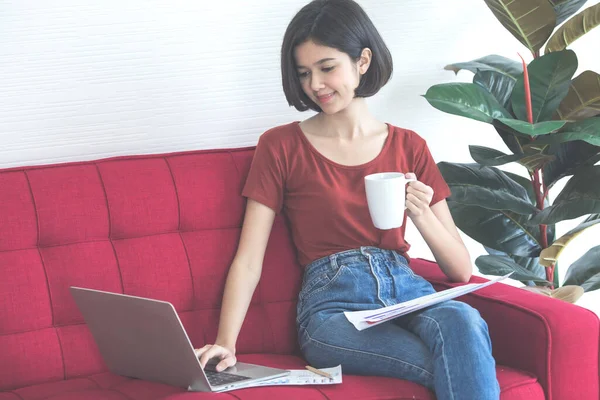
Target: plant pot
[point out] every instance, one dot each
(568, 293)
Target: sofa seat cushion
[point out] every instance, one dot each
(515, 385)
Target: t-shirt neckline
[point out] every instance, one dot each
(313, 149)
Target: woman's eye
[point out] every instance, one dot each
(327, 69)
(302, 74)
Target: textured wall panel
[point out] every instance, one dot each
(81, 80)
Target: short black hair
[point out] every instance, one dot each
(340, 24)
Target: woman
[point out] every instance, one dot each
(332, 59)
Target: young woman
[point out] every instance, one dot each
(313, 171)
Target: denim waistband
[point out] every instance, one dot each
(348, 256)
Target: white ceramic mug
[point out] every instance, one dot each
(386, 197)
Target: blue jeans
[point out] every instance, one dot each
(445, 348)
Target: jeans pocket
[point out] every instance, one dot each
(320, 283)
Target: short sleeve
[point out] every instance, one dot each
(428, 172)
(266, 178)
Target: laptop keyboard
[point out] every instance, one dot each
(223, 378)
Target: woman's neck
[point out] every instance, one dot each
(352, 122)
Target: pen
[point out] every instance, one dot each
(319, 372)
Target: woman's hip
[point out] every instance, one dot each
(361, 279)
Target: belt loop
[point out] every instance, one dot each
(332, 261)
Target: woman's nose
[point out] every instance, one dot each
(316, 82)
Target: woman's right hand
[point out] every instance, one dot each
(223, 353)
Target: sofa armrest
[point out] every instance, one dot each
(556, 341)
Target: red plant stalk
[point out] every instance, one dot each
(537, 178)
(527, 92)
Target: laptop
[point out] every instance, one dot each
(145, 339)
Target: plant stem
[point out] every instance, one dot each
(537, 180)
(527, 92)
(537, 176)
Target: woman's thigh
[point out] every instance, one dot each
(450, 319)
(383, 350)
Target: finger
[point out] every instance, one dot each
(417, 185)
(411, 208)
(227, 362)
(410, 175)
(201, 350)
(419, 203)
(421, 197)
(213, 352)
(413, 200)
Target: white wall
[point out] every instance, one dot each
(82, 80)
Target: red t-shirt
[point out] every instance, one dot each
(325, 202)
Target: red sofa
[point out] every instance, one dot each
(166, 226)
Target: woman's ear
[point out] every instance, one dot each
(364, 61)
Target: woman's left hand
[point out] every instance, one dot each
(418, 197)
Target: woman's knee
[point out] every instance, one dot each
(458, 311)
(455, 316)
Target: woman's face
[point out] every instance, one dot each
(327, 75)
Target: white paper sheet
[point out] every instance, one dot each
(369, 318)
(304, 377)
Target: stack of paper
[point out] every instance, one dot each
(366, 319)
(303, 377)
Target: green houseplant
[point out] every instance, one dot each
(550, 120)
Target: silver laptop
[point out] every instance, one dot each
(144, 338)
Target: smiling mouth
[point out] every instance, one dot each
(325, 98)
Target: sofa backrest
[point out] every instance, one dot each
(161, 226)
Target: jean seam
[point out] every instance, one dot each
(447, 371)
(318, 342)
(408, 270)
(376, 276)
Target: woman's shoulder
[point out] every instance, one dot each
(282, 135)
(407, 138)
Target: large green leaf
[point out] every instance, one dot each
(587, 130)
(529, 263)
(466, 100)
(525, 183)
(568, 157)
(494, 63)
(534, 160)
(532, 155)
(495, 73)
(492, 157)
(502, 265)
(549, 80)
(513, 140)
(500, 230)
(528, 186)
(550, 254)
(533, 130)
(498, 85)
(477, 185)
(565, 8)
(583, 99)
(580, 196)
(531, 22)
(574, 28)
(585, 272)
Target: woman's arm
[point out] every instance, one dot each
(242, 279)
(437, 227)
